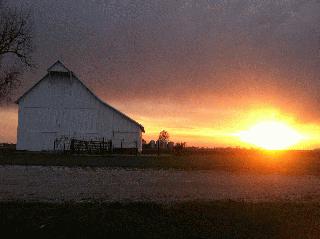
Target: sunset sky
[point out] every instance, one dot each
(202, 70)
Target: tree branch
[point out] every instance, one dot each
(16, 45)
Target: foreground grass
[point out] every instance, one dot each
(148, 220)
(286, 162)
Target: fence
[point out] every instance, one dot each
(90, 146)
(94, 146)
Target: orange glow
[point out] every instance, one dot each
(262, 128)
(8, 125)
(206, 126)
(271, 135)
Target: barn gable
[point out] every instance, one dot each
(60, 69)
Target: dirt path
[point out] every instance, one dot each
(36, 183)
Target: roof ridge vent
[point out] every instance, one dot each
(58, 67)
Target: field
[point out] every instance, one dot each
(65, 184)
(222, 194)
(234, 160)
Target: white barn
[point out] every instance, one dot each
(61, 107)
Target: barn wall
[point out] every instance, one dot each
(114, 126)
(61, 107)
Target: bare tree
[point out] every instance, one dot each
(15, 47)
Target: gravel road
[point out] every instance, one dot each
(59, 184)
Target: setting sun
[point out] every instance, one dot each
(271, 135)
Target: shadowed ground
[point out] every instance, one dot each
(149, 220)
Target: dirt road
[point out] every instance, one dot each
(37, 183)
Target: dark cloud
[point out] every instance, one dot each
(187, 52)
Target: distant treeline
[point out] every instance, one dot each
(181, 150)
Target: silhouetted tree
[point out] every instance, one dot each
(162, 140)
(15, 46)
(163, 136)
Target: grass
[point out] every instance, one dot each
(148, 220)
(286, 162)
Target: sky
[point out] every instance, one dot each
(202, 70)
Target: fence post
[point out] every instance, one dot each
(136, 148)
(72, 145)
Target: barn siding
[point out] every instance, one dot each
(60, 106)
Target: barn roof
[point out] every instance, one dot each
(59, 67)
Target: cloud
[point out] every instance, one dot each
(186, 52)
